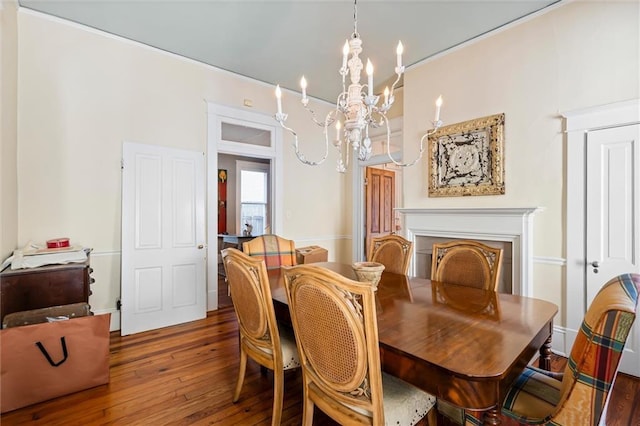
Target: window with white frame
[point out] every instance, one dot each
(253, 197)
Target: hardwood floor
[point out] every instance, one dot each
(185, 375)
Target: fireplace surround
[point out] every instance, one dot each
(510, 228)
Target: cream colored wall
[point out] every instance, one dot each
(8, 126)
(82, 93)
(579, 55)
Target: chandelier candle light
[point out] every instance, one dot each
(358, 109)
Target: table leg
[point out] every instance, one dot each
(545, 355)
(491, 417)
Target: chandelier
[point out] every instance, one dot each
(356, 110)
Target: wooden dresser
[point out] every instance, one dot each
(52, 285)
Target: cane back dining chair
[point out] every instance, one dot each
(274, 250)
(469, 263)
(261, 337)
(393, 251)
(334, 319)
(580, 395)
(466, 262)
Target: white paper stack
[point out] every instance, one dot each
(33, 256)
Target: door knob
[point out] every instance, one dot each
(200, 246)
(595, 265)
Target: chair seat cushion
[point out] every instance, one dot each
(290, 358)
(404, 404)
(534, 395)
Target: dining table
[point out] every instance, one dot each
(463, 345)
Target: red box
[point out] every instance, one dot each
(58, 243)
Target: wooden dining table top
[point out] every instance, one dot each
(462, 344)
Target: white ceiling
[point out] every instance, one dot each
(277, 41)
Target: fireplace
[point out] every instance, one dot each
(508, 228)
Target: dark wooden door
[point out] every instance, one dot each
(380, 202)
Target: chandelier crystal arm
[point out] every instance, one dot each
(314, 117)
(281, 118)
(425, 137)
(393, 86)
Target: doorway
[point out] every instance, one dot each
(380, 201)
(379, 160)
(603, 210)
(234, 166)
(251, 136)
(257, 211)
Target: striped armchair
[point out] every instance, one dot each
(580, 395)
(274, 250)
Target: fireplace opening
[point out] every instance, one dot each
(424, 250)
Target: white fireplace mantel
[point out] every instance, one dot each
(514, 225)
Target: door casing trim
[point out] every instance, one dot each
(358, 194)
(215, 115)
(578, 124)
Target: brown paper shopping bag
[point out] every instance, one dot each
(44, 361)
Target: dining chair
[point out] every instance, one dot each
(469, 263)
(274, 250)
(393, 251)
(466, 262)
(334, 320)
(261, 338)
(579, 395)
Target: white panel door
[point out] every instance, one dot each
(613, 217)
(163, 234)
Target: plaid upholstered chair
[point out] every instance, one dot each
(274, 250)
(335, 323)
(393, 251)
(466, 262)
(261, 337)
(579, 396)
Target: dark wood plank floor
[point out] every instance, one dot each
(185, 375)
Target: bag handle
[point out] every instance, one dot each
(48, 357)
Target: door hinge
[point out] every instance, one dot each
(118, 305)
(122, 164)
(366, 181)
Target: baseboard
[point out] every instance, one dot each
(559, 341)
(212, 300)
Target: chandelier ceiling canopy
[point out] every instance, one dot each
(357, 109)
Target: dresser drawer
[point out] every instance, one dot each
(52, 285)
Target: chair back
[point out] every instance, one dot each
(251, 296)
(595, 356)
(393, 251)
(334, 320)
(466, 262)
(274, 250)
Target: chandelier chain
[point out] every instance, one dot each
(355, 20)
